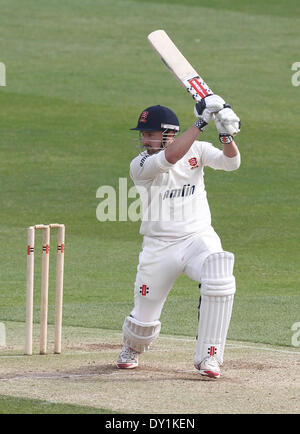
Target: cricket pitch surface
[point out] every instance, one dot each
(256, 378)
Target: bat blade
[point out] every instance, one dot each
(179, 65)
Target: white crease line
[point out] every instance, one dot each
(241, 346)
(56, 377)
(139, 374)
(236, 345)
(11, 357)
(264, 349)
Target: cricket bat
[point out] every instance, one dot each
(178, 65)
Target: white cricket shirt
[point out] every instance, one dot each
(173, 196)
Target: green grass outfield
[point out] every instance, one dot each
(9, 405)
(78, 74)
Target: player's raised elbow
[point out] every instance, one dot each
(232, 163)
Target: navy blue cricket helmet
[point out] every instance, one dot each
(157, 118)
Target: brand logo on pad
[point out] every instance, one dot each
(144, 290)
(212, 351)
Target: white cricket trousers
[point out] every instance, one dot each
(161, 263)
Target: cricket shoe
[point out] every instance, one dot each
(209, 367)
(128, 358)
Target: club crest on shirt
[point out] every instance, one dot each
(193, 163)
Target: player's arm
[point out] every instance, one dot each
(228, 125)
(180, 146)
(217, 159)
(146, 167)
(230, 149)
(204, 112)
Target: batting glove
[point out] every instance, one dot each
(205, 108)
(228, 124)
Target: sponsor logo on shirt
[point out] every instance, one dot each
(186, 190)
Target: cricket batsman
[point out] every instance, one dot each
(177, 233)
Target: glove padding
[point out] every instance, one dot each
(227, 122)
(205, 108)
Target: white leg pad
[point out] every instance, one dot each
(217, 292)
(139, 335)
